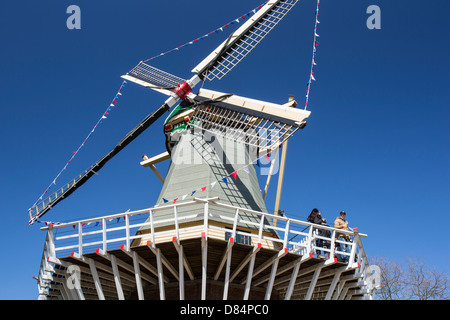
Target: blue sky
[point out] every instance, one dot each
(376, 145)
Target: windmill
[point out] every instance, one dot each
(210, 219)
(281, 120)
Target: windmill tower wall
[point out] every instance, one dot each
(201, 160)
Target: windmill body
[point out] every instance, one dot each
(210, 234)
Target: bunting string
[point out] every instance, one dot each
(95, 224)
(212, 184)
(313, 62)
(189, 194)
(112, 104)
(221, 29)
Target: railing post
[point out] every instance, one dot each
(354, 244)
(205, 219)
(51, 243)
(261, 225)
(177, 227)
(286, 233)
(333, 244)
(80, 239)
(236, 216)
(104, 234)
(127, 231)
(152, 228)
(309, 241)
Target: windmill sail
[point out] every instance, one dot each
(153, 78)
(256, 123)
(239, 44)
(45, 205)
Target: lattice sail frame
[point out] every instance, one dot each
(244, 40)
(155, 76)
(240, 127)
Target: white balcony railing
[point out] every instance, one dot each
(279, 233)
(116, 230)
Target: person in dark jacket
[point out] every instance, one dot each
(316, 217)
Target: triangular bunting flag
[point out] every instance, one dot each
(165, 200)
(213, 184)
(193, 192)
(246, 169)
(203, 189)
(224, 179)
(234, 174)
(175, 200)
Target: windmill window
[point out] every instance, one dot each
(240, 238)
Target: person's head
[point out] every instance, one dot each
(342, 214)
(312, 215)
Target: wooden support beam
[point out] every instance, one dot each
(162, 293)
(281, 172)
(120, 294)
(293, 279)
(204, 264)
(271, 280)
(137, 274)
(98, 285)
(181, 272)
(227, 275)
(283, 269)
(249, 277)
(244, 261)
(269, 176)
(151, 163)
(106, 274)
(269, 262)
(312, 284)
(224, 258)
(156, 159)
(164, 260)
(142, 262)
(124, 265)
(186, 264)
(333, 285)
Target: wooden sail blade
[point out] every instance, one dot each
(45, 205)
(239, 44)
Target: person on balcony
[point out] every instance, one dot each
(342, 224)
(316, 217)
